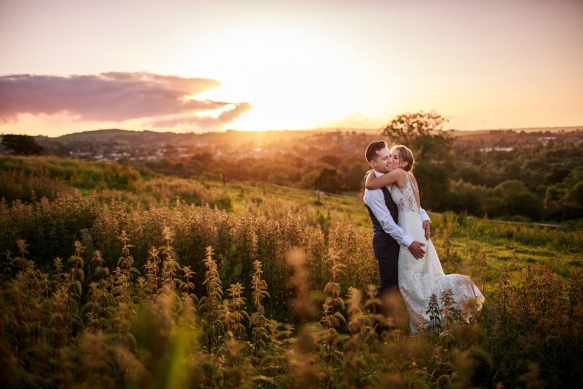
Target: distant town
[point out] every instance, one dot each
(116, 145)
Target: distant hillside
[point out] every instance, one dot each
(97, 144)
(457, 133)
(113, 136)
(117, 143)
(150, 137)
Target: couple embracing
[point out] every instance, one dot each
(406, 256)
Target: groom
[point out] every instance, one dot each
(388, 236)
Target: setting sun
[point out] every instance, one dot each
(295, 78)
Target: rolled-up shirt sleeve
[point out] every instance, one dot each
(376, 201)
(424, 215)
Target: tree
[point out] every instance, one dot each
(309, 180)
(331, 160)
(469, 174)
(454, 201)
(353, 179)
(434, 181)
(512, 198)
(278, 179)
(528, 204)
(22, 144)
(421, 133)
(475, 197)
(202, 159)
(557, 175)
(329, 181)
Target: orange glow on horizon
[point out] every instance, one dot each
(295, 65)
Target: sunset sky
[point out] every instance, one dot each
(186, 65)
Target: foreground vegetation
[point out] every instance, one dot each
(176, 283)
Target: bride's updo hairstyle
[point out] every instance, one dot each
(406, 156)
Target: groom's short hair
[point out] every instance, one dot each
(373, 148)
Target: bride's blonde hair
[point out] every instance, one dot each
(405, 155)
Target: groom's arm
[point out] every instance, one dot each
(376, 201)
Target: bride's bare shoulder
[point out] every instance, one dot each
(413, 181)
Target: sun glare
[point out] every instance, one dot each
(294, 78)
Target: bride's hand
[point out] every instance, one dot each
(427, 228)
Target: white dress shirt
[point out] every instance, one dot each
(375, 200)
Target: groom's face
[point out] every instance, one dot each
(382, 163)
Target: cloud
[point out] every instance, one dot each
(206, 122)
(111, 97)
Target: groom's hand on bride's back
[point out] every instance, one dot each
(416, 248)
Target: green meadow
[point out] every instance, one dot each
(113, 276)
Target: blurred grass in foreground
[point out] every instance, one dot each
(176, 283)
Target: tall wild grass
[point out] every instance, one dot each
(148, 289)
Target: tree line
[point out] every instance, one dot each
(536, 180)
(501, 174)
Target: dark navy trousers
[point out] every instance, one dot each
(386, 249)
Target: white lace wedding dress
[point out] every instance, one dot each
(420, 278)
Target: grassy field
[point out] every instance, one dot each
(176, 283)
(506, 244)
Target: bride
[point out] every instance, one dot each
(420, 278)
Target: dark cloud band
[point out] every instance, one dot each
(206, 122)
(113, 96)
